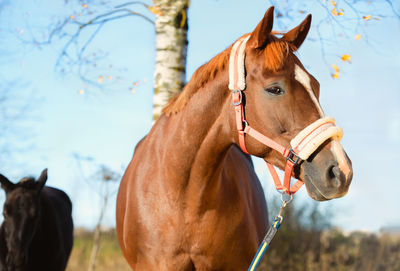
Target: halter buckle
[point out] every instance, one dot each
(293, 157)
(235, 103)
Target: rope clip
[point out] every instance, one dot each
(286, 199)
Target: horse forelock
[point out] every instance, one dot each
(277, 53)
(27, 182)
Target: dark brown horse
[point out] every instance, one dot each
(190, 199)
(37, 232)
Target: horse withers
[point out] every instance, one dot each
(190, 199)
(37, 231)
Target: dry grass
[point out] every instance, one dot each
(295, 248)
(109, 258)
(333, 250)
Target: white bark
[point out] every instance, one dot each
(171, 46)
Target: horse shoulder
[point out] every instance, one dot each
(122, 193)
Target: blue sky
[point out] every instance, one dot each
(107, 124)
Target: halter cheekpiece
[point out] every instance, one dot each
(301, 146)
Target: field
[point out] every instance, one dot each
(292, 250)
(109, 257)
(333, 250)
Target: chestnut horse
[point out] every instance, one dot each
(190, 199)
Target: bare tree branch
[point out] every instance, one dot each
(70, 59)
(127, 12)
(341, 18)
(395, 12)
(72, 56)
(132, 3)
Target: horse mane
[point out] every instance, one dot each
(276, 54)
(200, 77)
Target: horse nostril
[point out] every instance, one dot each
(335, 175)
(334, 172)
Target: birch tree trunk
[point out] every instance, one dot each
(171, 45)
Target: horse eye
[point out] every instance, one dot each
(275, 90)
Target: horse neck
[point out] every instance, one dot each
(41, 231)
(200, 135)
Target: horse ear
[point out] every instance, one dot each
(42, 179)
(297, 35)
(5, 183)
(259, 37)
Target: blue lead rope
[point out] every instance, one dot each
(265, 243)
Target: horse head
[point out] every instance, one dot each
(21, 217)
(280, 100)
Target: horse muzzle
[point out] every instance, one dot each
(328, 172)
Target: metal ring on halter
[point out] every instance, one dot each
(245, 123)
(240, 97)
(290, 198)
(293, 157)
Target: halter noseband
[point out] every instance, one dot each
(302, 145)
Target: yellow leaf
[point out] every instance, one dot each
(337, 71)
(136, 83)
(334, 12)
(302, 11)
(84, 5)
(155, 10)
(72, 17)
(110, 77)
(333, 3)
(357, 37)
(367, 17)
(133, 90)
(340, 13)
(183, 21)
(336, 68)
(346, 57)
(100, 80)
(81, 91)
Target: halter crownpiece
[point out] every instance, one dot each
(237, 79)
(305, 143)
